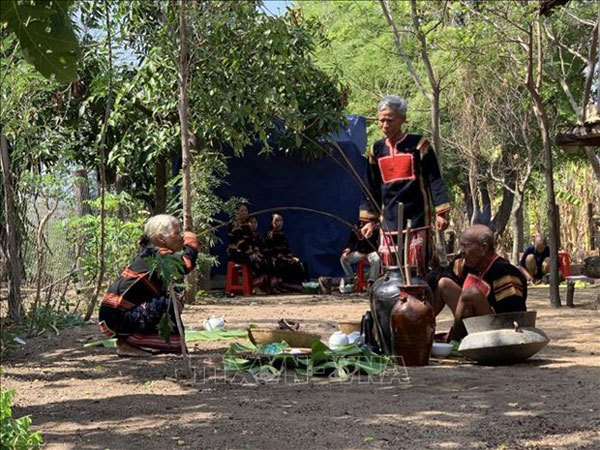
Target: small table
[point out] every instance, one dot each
(571, 286)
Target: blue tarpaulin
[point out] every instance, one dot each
(281, 180)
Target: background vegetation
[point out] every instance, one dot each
(92, 117)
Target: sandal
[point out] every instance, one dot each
(285, 324)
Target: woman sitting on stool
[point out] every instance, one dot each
(242, 249)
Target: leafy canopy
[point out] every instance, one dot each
(45, 34)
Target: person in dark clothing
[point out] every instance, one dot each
(357, 249)
(535, 262)
(135, 303)
(289, 269)
(479, 282)
(238, 234)
(260, 263)
(242, 249)
(402, 168)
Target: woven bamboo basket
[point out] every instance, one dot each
(349, 327)
(293, 338)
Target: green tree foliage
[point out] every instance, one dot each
(360, 50)
(489, 132)
(121, 235)
(251, 74)
(169, 269)
(248, 71)
(45, 34)
(15, 433)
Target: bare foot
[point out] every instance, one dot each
(124, 349)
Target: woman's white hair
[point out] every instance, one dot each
(395, 103)
(159, 225)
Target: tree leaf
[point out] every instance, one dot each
(165, 328)
(46, 35)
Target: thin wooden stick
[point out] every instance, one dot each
(400, 237)
(186, 359)
(406, 248)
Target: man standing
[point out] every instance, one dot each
(402, 168)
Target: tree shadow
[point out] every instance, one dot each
(135, 403)
(438, 407)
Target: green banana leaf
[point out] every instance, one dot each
(190, 336)
(340, 363)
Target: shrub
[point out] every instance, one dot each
(120, 239)
(15, 433)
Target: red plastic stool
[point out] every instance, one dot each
(564, 264)
(232, 280)
(361, 282)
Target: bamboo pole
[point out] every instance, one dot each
(406, 248)
(400, 239)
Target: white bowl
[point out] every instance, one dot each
(337, 340)
(440, 349)
(214, 323)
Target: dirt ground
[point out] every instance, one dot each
(91, 399)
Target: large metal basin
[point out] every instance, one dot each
(500, 321)
(503, 346)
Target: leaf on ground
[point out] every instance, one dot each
(190, 336)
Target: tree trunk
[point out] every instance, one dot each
(184, 121)
(520, 228)
(15, 304)
(590, 226)
(553, 240)
(81, 192)
(435, 123)
(160, 194)
(81, 188)
(534, 87)
(205, 282)
(41, 269)
(474, 217)
(486, 206)
(102, 173)
(516, 221)
(594, 160)
(558, 228)
(434, 95)
(502, 216)
(121, 211)
(464, 187)
(186, 158)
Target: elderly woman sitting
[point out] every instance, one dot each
(137, 300)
